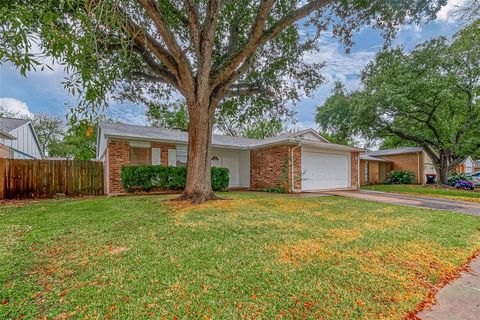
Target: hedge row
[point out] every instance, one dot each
(148, 177)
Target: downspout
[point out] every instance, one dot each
(292, 159)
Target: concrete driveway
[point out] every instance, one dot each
(413, 201)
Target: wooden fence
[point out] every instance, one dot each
(48, 178)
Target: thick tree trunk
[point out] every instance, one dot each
(442, 168)
(198, 188)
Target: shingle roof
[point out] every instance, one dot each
(134, 131)
(9, 124)
(370, 158)
(388, 152)
(121, 130)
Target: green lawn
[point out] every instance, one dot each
(429, 191)
(254, 256)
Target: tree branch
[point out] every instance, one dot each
(162, 73)
(258, 37)
(185, 75)
(194, 25)
(206, 46)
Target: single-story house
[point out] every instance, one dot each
(375, 165)
(308, 160)
(466, 166)
(18, 139)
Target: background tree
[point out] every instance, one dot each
(429, 97)
(334, 117)
(79, 142)
(171, 116)
(49, 129)
(4, 112)
(264, 129)
(209, 51)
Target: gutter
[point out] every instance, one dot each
(225, 146)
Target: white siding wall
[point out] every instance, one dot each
(25, 143)
(238, 162)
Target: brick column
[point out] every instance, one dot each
(355, 157)
(118, 155)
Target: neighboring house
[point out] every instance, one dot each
(306, 160)
(375, 165)
(467, 166)
(18, 139)
(476, 168)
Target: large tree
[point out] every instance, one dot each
(49, 129)
(429, 97)
(208, 51)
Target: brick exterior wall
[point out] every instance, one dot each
(118, 155)
(413, 162)
(4, 151)
(267, 165)
(355, 156)
(377, 171)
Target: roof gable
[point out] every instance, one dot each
(9, 124)
(309, 134)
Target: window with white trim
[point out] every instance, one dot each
(181, 157)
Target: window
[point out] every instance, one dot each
(172, 157)
(181, 157)
(156, 156)
(139, 155)
(366, 171)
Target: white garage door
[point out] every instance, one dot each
(325, 171)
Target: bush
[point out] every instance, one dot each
(454, 177)
(148, 177)
(400, 177)
(220, 178)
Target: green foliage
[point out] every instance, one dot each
(49, 130)
(264, 129)
(220, 178)
(429, 97)
(78, 143)
(103, 56)
(455, 176)
(335, 116)
(171, 116)
(400, 177)
(148, 177)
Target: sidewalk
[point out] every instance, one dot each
(414, 201)
(458, 300)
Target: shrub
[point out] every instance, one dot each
(400, 177)
(454, 177)
(220, 178)
(148, 177)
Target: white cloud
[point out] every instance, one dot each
(447, 13)
(15, 106)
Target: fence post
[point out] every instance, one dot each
(3, 178)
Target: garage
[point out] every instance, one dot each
(322, 170)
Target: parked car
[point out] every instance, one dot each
(475, 178)
(464, 184)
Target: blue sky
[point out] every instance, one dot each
(44, 92)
